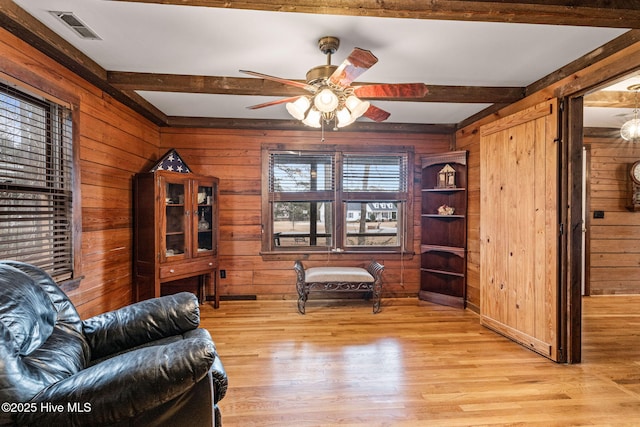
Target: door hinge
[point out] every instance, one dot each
(561, 229)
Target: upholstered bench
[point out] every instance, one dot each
(347, 279)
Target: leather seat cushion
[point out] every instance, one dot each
(25, 309)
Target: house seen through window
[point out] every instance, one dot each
(336, 200)
(36, 182)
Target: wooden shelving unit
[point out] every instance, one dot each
(444, 236)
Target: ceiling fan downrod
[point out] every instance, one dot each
(320, 74)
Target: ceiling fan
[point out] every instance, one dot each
(332, 98)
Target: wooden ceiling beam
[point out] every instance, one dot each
(592, 13)
(611, 99)
(200, 84)
(260, 87)
(296, 125)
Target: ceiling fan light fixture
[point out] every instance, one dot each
(344, 117)
(299, 107)
(313, 118)
(330, 96)
(356, 106)
(326, 100)
(630, 130)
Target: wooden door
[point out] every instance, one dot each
(519, 228)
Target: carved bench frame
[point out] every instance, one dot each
(374, 286)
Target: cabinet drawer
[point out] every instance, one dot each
(187, 268)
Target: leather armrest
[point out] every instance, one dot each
(220, 380)
(124, 386)
(140, 323)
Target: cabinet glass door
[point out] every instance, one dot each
(175, 232)
(206, 204)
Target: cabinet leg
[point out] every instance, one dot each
(214, 285)
(202, 286)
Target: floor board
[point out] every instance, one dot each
(418, 364)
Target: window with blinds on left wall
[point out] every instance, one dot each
(36, 182)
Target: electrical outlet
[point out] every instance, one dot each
(223, 274)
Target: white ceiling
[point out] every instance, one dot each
(156, 38)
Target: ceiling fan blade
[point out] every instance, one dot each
(392, 90)
(359, 61)
(376, 114)
(270, 103)
(281, 80)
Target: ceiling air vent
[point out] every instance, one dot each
(73, 22)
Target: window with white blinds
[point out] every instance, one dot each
(374, 173)
(36, 182)
(336, 200)
(374, 200)
(301, 172)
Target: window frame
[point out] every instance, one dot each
(70, 280)
(339, 199)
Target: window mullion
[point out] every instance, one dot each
(339, 210)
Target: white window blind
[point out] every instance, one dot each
(36, 182)
(374, 173)
(294, 172)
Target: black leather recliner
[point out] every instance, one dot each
(147, 364)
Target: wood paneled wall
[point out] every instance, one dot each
(614, 241)
(115, 142)
(234, 157)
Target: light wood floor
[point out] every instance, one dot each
(417, 364)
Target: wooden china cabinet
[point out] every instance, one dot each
(175, 232)
(444, 229)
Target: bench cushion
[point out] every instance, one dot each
(337, 274)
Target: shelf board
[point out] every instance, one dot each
(449, 300)
(443, 190)
(455, 250)
(438, 216)
(444, 272)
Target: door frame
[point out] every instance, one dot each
(571, 188)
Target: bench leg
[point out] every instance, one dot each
(377, 296)
(303, 292)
